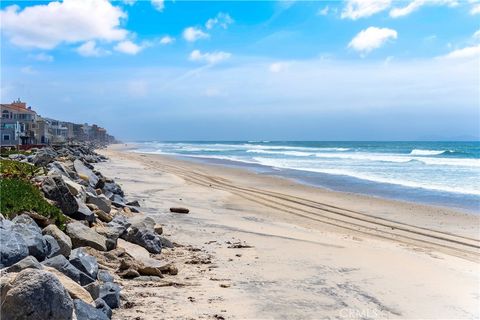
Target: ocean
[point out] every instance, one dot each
(439, 173)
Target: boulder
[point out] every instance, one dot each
(53, 248)
(83, 236)
(100, 304)
(26, 263)
(166, 243)
(75, 291)
(84, 262)
(93, 288)
(13, 247)
(83, 212)
(31, 234)
(37, 295)
(111, 233)
(43, 157)
(102, 202)
(104, 276)
(85, 173)
(103, 216)
(133, 203)
(64, 266)
(55, 189)
(63, 240)
(142, 221)
(85, 311)
(110, 293)
(74, 188)
(145, 238)
(113, 188)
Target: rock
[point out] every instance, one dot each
(166, 243)
(37, 295)
(104, 276)
(129, 273)
(40, 220)
(64, 266)
(84, 262)
(102, 202)
(103, 306)
(142, 221)
(53, 248)
(158, 229)
(31, 234)
(92, 206)
(98, 191)
(83, 212)
(74, 188)
(93, 288)
(145, 238)
(63, 240)
(113, 188)
(75, 291)
(85, 173)
(43, 157)
(55, 189)
(103, 216)
(13, 247)
(149, 271)
(26, 263)
(133, 203)
(179, 210)
(111, 233)
(83, 236)
(143, 263)
(85, 311)
(110, 293)
(169, 269)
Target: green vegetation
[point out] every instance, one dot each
(19, 170)
(6, 153)
(17, 196)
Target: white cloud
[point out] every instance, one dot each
(159, 5)
(355, 9)
(167, 40)
(129, 2)
(475, 9)
(476, 35)
(209, 57)
(42, 57)
(371, 38)
(192, 34)
(278, 67)
(416, 4)
(128, 47)
(90, 49)
(464, 53)
(222, 19)
(47, 25)
(323, 12)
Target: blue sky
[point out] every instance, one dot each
(320, 70)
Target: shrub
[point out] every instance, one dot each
(17, 196)
(14, 169)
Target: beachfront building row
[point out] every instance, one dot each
(20, 125)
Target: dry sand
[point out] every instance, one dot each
(316, 254)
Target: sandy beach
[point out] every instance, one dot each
(261, 247)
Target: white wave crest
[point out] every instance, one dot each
(421, 152)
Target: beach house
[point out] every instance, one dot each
(17, 124)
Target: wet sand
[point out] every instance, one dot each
(314, 253)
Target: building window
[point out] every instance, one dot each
(6, 137)
(5, 114)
